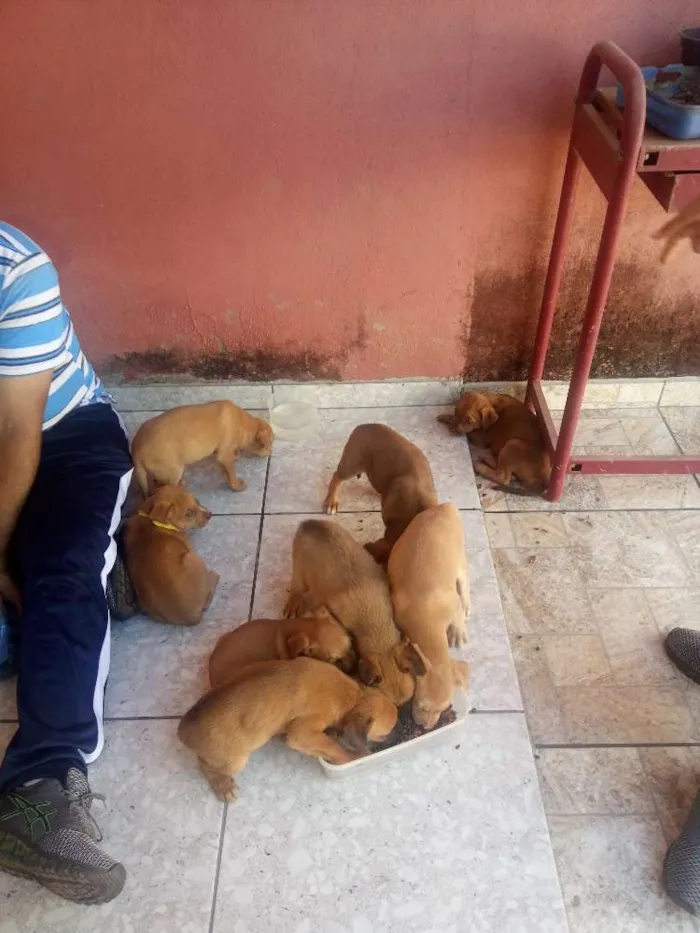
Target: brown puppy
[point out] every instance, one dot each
(430, 591)
(397, 470)
(333, 572)
(165, 445)
(268, 639)
(514, 443)
(172, 582)
(298, 700)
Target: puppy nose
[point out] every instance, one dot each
(207, 514)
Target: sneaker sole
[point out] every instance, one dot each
(683, 667)
(69, 880)
(677, 899)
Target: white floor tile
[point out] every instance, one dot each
(159, 670)
(206, 480)
(610, 870)
(453, 839)
(300, 472)
(157, 397)
(161, 823)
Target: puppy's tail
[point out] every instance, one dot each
(142, 477)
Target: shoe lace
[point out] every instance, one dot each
(84, 801)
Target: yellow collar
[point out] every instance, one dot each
(163, 525)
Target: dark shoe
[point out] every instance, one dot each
(48, 834)
(121, 597)
(683, 648)
(682, 864)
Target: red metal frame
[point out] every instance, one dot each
(612, 152)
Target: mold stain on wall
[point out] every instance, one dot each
(256, 365)
(641, 334)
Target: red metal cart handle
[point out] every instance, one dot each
(630, 76)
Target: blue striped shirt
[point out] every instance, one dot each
(36, 332)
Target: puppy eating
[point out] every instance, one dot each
(171, 581)
(397, 469)
(297, 700)
(430, 591)
(165, 445)
(331, 571)
(513, 442)
(266, 639)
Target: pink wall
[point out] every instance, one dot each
(353, 188)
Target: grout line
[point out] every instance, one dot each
(154, 411)
(577, 745)
(257, 553)
(568, 511)
(496, 712)
(670, 431)
(169, 718)
(219, 856)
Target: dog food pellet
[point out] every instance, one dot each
(406, 729)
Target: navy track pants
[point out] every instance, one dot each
(61, 553)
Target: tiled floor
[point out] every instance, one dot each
(456, 838)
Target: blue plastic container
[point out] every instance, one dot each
(679, 121)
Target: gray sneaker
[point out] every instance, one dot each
(48, 834)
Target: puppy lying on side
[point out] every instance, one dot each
(513, 441)
(430, 591)
(331, 571)
(171, 581)
(165, 445)
(268, 639)
(397, 470)
(295, 699)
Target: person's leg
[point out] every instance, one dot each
(63, 549)
(681, 873)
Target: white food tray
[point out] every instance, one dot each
(379, 759)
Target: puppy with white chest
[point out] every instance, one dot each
(430, 591)
(331, 571)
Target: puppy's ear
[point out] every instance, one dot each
(448, 419)
(460, 674)
(298, 644)
(488, 417)
(354, 731)
(411, 659)
(369, 672)
(347, 662)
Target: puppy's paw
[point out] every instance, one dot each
(330, 506)
(239, 485)
(224, 787)
(293, 607)
(456, 635)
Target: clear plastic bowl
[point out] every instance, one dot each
(295, 420)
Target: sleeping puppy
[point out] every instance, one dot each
(171, 581)
(513, 441)
(430, 592)
(267, 639)
(297, 700)
(165, 445)
(397, 470)
(332, 572)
